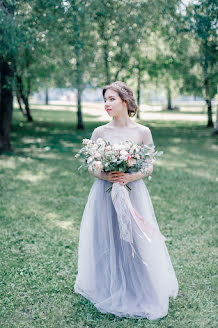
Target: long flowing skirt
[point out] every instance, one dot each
(108, 275)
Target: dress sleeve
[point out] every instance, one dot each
(147, 137)
(95, 135)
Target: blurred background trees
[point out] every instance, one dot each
(80, 44)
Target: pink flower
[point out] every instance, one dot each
(130, 162)
(97, 166)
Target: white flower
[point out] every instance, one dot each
(97, 155)
(89, 159)
(100, 142)
(116, 147)
(101, 148)
(93, 148)
(124, 153)
(97, 166)
(122, 147)
(85, 141)
(127, 146)
(107, 148)
(110, 153)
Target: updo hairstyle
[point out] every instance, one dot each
(125, 94)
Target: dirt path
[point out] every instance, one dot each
(148, 113)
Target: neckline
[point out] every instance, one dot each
(122, 128)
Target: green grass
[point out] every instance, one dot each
(43, 196)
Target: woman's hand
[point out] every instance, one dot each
(117, 176)
(113, 176)
(124, 178)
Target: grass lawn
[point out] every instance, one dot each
(43, 196)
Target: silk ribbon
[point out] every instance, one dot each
(126, 213)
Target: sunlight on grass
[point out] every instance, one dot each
(47, 154)
(204, 174)
(55, 221)
(170, 165)
(26, 175)
(214, 147)
(8, 163)
(66, 143)
(63, 224)
(31, 140)
(52, 216)
(176, 150)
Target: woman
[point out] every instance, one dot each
(109, 275)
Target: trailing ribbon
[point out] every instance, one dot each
(125, 212)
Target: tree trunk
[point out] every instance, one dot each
(216, 126)
(28, 91)
(169, 99)
(207, 88)
(105, 51)
(79, 70)
(79, 91)
(139, 92)
(20, 104)
(106, 62)
(46, 96)
(24, 98)
(27, 108)
(6, 104)
(209, 114)
(79, 110)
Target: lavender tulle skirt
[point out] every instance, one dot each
(108, 275)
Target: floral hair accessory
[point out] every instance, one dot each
(120, 88)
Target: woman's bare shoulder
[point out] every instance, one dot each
(98, 132)
(142, 127)
(100, 128)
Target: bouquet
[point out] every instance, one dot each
(126, 156)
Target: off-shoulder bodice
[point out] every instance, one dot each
(138, 134)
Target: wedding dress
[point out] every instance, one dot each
(128, 280)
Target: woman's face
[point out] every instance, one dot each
(114, 105)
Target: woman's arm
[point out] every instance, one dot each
(99, 175)
(140, 175)
(147, 138)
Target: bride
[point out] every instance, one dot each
(109, 275)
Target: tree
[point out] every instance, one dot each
(200, 24)
(7, 68)
(77, 48)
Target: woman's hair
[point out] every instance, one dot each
(125, 94)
